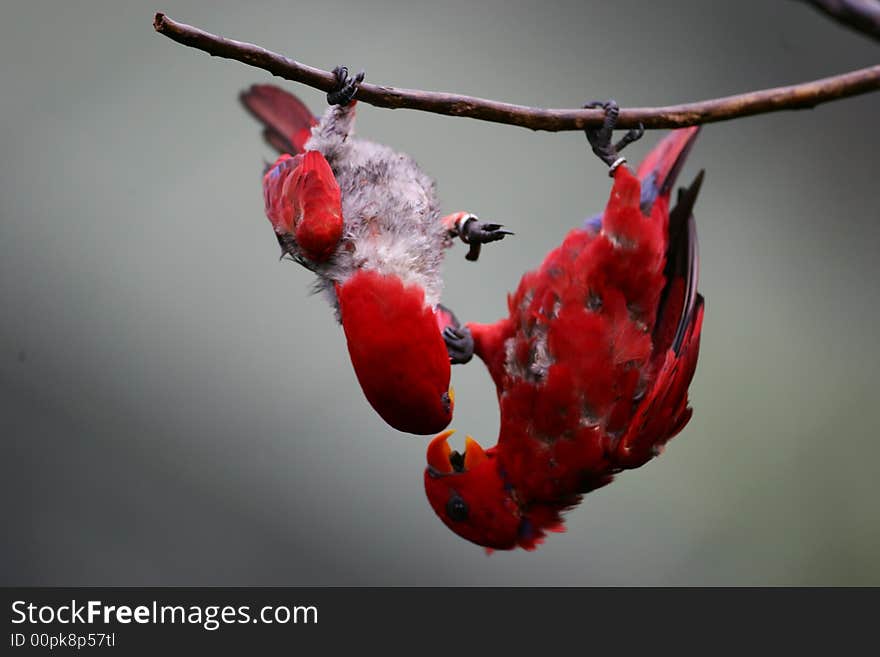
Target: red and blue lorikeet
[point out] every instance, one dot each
(593, 363)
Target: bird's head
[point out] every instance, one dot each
(470, 496)
(397, 351)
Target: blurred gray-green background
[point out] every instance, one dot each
(176, 409)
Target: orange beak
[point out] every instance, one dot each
(439, 452)
(473, 453)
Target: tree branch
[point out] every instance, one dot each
(859, 15)
(801, 96)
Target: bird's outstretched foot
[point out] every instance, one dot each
(600, 138)
(476, 233)
(346, 87)
(458, 338)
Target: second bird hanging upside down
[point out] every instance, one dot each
(366, 220)
(593, 363)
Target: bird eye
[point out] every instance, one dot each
(456, 509)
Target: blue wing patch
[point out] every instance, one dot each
(594, 223)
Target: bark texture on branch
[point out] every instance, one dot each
(800, 96)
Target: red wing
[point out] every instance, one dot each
(287, 121)
(660, 168)
(663, 411)
(304, 204)
(279, 207)
(682, 271)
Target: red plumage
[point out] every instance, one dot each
(379, 258)
(592, 364)
(304, 204)
(317, 207)
(286, 119)
(369, 303)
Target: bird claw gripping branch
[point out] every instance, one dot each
(346, 87)
(600, 138)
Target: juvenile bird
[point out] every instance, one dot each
(366, 220)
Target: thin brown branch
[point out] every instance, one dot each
(859, 15)
(800, 96)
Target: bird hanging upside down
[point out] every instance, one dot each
(593, 363)
(366, 220)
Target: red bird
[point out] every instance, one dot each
(366, 220)
(592, 365)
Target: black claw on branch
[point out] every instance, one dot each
(600, 138)
(476, 233)
(346, 87)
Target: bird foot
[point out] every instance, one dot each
(600, 138)
(458, 338)
(476, 233)
(346, 87)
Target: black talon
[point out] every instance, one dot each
(634, 134)
(459, 344)
(600, 138)
(346, 87)
(458, 339)
(476, 233)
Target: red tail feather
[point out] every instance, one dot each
(662, 165)
(288, 122)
